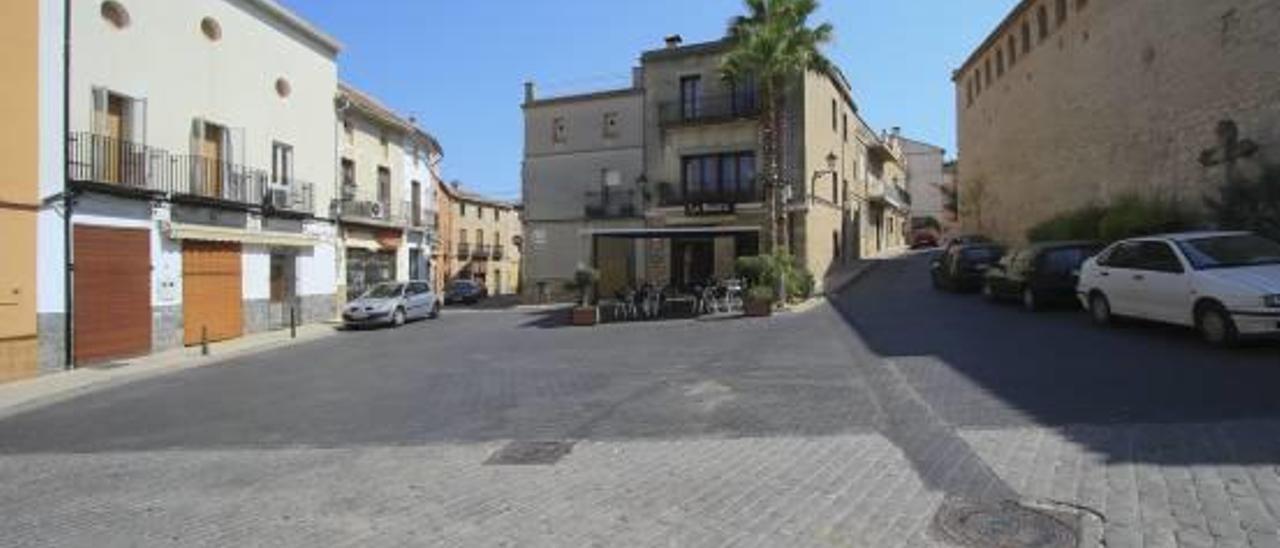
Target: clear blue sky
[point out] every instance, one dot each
(458, 65)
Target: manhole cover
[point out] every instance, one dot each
(1003, 525)
(531, 452)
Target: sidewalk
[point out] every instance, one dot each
(19, 396)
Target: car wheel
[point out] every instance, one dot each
(1029, 300)
(397, 317)
(435, 310)
(1215, 325)
(1100, 309)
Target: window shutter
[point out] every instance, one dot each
(99, 121)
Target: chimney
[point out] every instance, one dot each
(674, 41)
(897, 131)
(529, 92)
(637, 77)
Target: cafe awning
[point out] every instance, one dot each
(671, 233)
(185, 231)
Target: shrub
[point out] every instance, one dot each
(762, 271)
(760, 293)
(583, 280)
(755, 270)
(1127, 217)
(1079, 224)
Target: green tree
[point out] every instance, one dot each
(774, 46)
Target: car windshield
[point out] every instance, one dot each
(461, 286)
(1067, 259)
(981, 253)
(384, 291)
(1231, 251)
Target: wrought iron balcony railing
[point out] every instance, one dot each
(128, 166)
(707, 109)
(464, 249)
(610, 204)
(710, 200)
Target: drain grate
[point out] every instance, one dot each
(530, 452)
(1003, 525)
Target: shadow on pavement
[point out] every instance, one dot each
(985, 365)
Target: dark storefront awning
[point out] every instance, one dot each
(671, 232)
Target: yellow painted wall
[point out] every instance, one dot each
(19, 180)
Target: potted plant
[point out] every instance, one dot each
(758, 301)
(584, 313)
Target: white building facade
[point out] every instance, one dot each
(201, 162)
(422, 155)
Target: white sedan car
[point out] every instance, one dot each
(1224, 284)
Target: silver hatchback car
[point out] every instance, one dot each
(392, 303)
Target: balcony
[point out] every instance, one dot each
(464, 250)
(496, 253)
(123, 167)
(610, 204)
(481, 251)
(712, 109)
(370, 212)
(881, 191)
(710, 201)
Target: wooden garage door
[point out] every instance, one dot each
(211, 291)
(112, 293)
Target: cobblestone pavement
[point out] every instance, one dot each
(847, 425)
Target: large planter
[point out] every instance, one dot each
(584, 315)
(757, 308)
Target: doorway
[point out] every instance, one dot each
(284, 288)
(692, 262)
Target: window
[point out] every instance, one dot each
(559, 130)
(497, 214)
(415, 202)
(349, 131)
(384, 185)
(1157, 257)
(462, 211)
(730, 174)
(999, 62)
(845, 127)
(986, 69)
(479, 238)
(1013, 50)
(282, 163)
(1123, 255)
(610, 177)
(115, 14)
(211, 29)
(386, 148)
(834, 116)
(348, 173)
(690, 97)
(610, 125)
(1026, 37)
(1060, 9)
(835, 244)
(479, 211)
(462, 236)
(1042, 22)
(977, 74)
(283, 89)
(744, 96)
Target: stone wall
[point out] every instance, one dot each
(1121, 98)
(52, 329)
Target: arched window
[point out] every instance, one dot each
(115, 13)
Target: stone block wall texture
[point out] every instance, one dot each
(1122, 98)
(317, 308)
(256, 315)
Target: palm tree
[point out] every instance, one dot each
(774, 46)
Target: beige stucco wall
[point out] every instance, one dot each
(1121, 99)
(19, 184)
(163, 58)
(502, 275)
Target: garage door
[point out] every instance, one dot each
(112, 293)
(211, 291)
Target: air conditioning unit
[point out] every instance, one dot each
(278, 198)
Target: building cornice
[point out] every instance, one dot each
(292, 21)
(995, 35)
(584, 97)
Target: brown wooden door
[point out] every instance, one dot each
(112, 292)
(211, 291)
(211, 154)
(115, 139)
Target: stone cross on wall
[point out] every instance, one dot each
(1230, 150)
